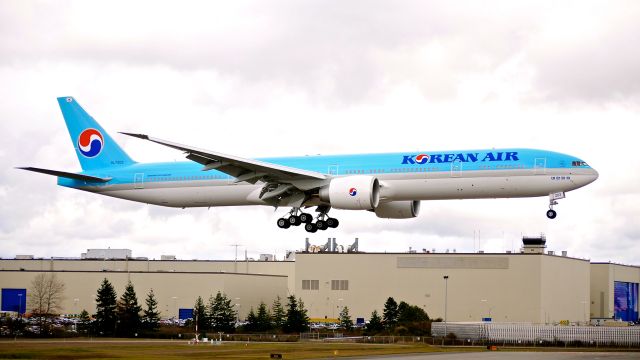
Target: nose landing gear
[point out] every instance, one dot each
(551, 214)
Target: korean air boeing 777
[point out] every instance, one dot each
(390, 185)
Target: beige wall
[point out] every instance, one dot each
(506, 287)
(601, 288)
(565, 289)
(285, 268)
(81, 287)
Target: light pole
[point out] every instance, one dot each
(338, 307)
(446, 278)
(20, 307)
(175, 306)
(238, 305)
(75, 315)
(488, 308)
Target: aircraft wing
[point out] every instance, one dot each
(248, 170)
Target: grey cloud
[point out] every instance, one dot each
(351, 51)
(334, 50)
(602, 66)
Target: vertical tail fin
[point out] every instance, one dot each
(94, 146)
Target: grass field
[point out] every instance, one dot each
(123, 349)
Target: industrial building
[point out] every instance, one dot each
(176, 283)
(531, 286)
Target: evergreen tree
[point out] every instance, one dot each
(410, 313)
(200, 317)
(106, 309)
(128, 312)
(151, 316)
(297, 319)
(252, 321)
(390, 313)
(375, 323)
(84, 321)
(303, 316)
(345, 319)
(263, 318)
(278, 315)
(222, 314)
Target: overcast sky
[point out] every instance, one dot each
(271, 78)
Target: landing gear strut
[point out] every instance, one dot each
(296, 218)
(551, 214)
(323, 221)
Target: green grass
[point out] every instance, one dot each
(123, 349)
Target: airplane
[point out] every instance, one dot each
(391, 185)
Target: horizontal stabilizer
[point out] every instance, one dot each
(65, 174)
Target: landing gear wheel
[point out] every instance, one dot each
(306, 218)
(551, 214)
(310, 227)
(283, 223)
(294, 220)
(332, 222)
(321, 225)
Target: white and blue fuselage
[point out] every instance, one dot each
(469, 174)
(390, 184)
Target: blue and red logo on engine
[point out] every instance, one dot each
(90, 143)
(353, 191)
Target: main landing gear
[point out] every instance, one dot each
(296, 218)
(551, 214)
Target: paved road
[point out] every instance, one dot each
(514, 355)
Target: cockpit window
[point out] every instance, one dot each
(578, 163)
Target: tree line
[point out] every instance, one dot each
(122, 317)
(400, 319)
(125, 317)
(289, 319)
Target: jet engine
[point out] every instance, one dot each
(398, 209)
(358, 192)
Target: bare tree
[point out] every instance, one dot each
(45, 299)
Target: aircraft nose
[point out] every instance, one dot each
(593, 175)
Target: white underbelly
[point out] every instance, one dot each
(474, 187)
(200, 196)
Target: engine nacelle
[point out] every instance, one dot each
(398, 209)
(358, 192)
